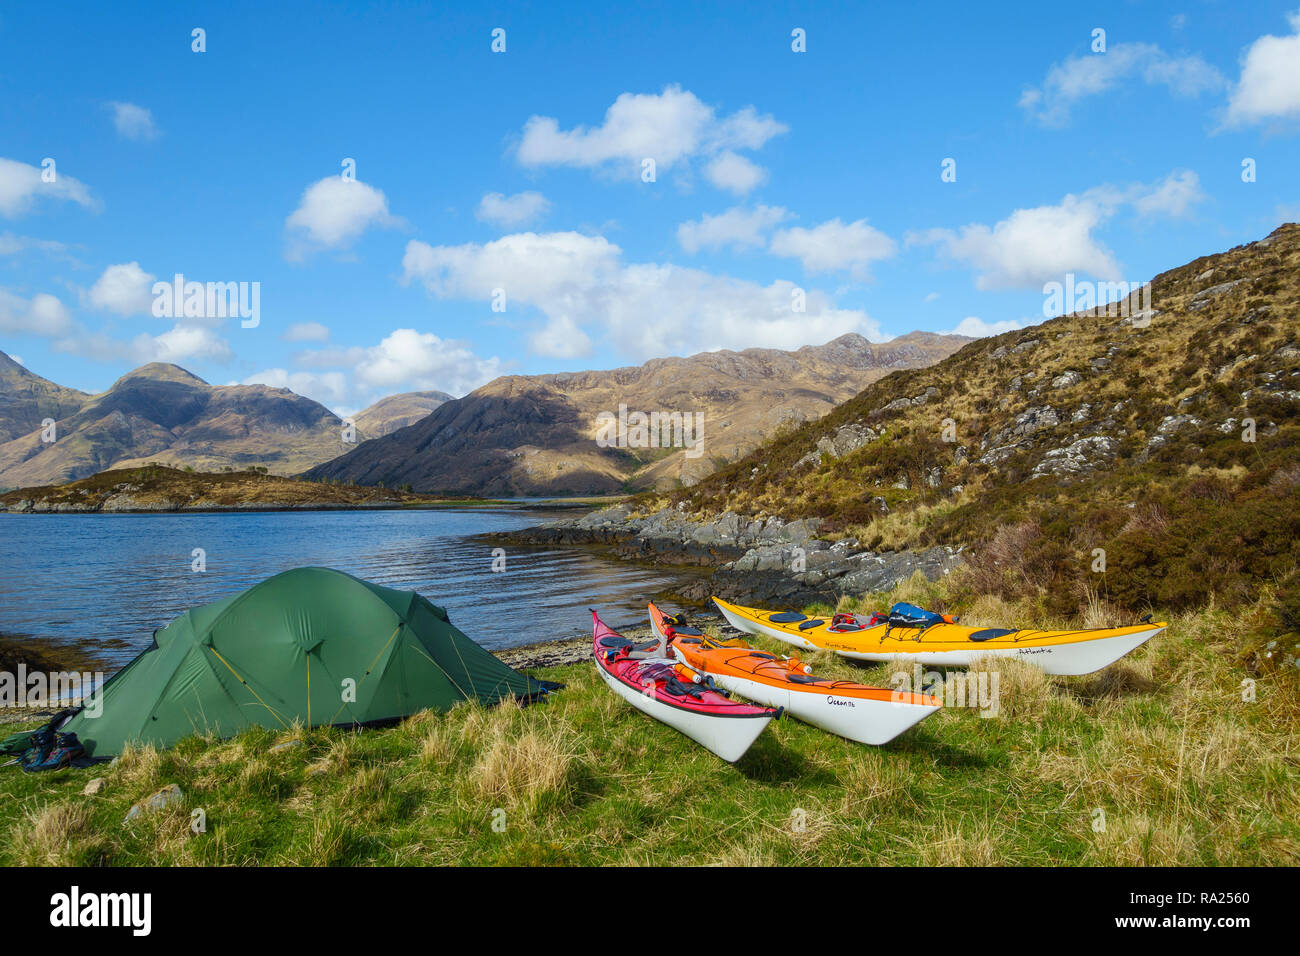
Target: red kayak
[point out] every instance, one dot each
(662, 688)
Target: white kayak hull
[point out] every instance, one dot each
(757, 627)
(726, 736)
(1058, 660)
(865, 721)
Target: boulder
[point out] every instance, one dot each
(1078, 457)
(168, 796)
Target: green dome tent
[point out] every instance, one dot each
(312, 645)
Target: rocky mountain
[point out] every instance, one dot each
(1147, 460)
(577, 433)
(397, 411)
(161, 413)
(26, 400)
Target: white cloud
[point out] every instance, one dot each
(834, 246)
(19, 360)
(509, 212)
(530, 267)
(671, 128)
(21, 185)
(744, 129)
(1034, 245)
(11, 244)
(737, 226)
(42, 314)
(405, 360)
(328, 388)
(658, 309)
(1173, 196)
(1092, 74)
(333, 212)
(124, 289)
(118, 290)
(734, 173)
(977, 328)
(424, 361)
(306, 332)
(181, 343)
(931, 297)
(133, 122)
(560, 337)
(1269, 87)
(580, 284)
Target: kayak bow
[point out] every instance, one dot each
(869, 715)
(952, 645)
(652, 685)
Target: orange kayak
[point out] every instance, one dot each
(869, 715)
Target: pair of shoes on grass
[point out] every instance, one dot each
(50, 751)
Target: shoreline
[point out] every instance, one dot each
(44, 654)
(155, 488)
(254, 508)
(749, 560)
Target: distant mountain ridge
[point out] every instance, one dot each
(516, 435)
(163, 413)
(397, 411)
(536, 434)
(26, 400)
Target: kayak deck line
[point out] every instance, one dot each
(1059, 652)
(649, 683)
(857, 712)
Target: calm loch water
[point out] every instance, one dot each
(109, 580)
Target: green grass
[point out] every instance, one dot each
(1184, 770)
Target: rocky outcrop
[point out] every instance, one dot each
(1004, 443)
(669, 535)
(1078, 457)
(756, 560)
(818, 572)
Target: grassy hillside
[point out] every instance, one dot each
(1174, 447)
(158, 488)
(1156, 760)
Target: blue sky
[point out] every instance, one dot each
(522, 171)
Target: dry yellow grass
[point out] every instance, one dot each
(46, 838)
(528, 770)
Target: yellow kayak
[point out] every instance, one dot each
(951, 645)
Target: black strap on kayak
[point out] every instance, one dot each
(890, 625)
(677, 689)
